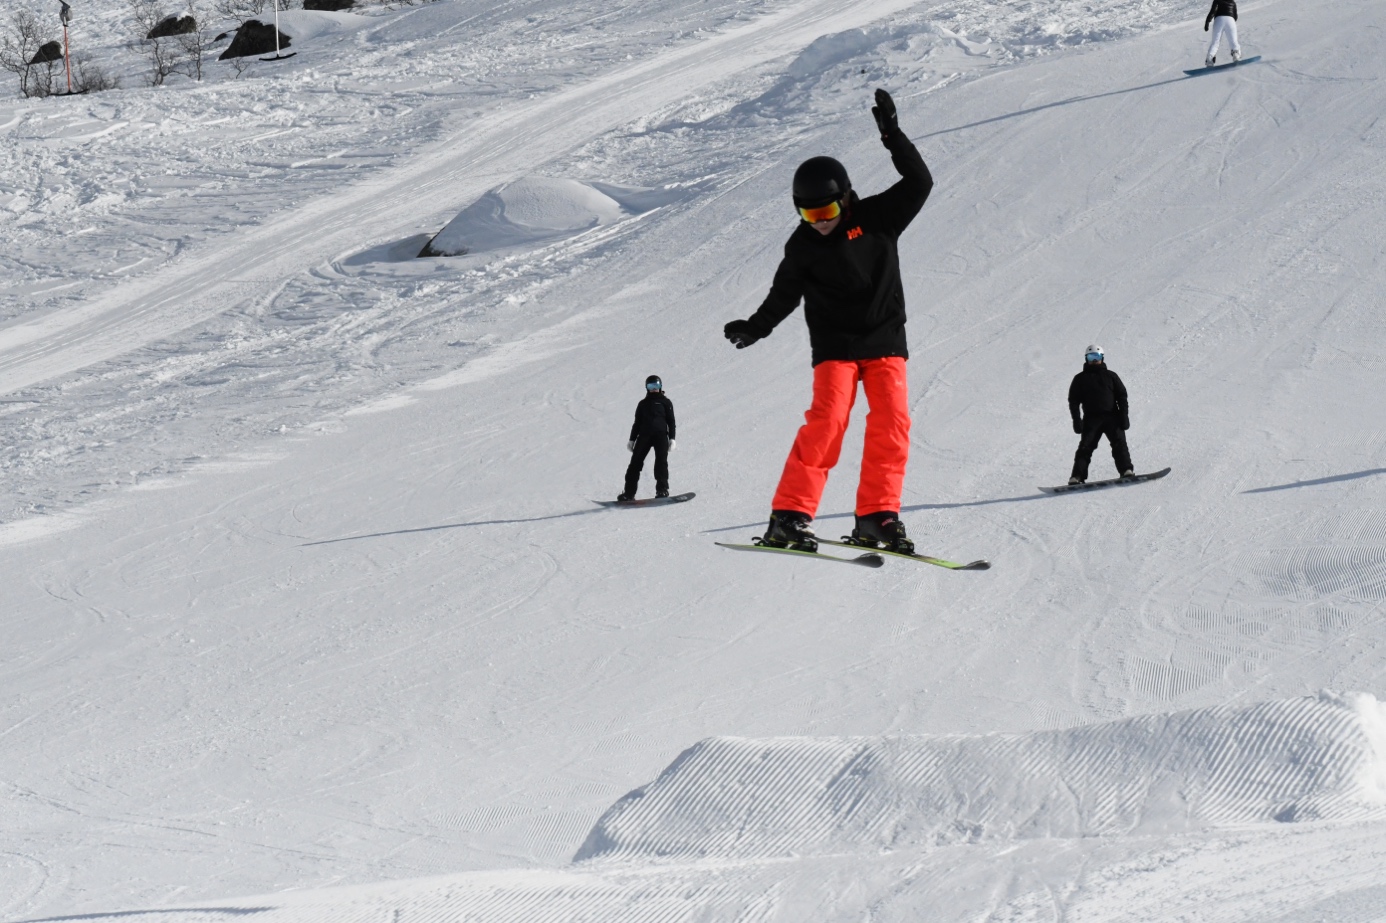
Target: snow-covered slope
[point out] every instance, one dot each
(302, 583)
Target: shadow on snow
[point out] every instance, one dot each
(918, 507)
(451, 525)
(1054, 105)
(1316, 481)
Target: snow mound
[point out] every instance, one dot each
(538, 209)
(311, 24)
(1313, 758)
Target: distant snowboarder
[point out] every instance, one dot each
(843, 262)
(1223, 17)
(1101, 397)
(653, 429)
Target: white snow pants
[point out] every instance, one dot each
(1223, 25)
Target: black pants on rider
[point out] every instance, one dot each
(643, 445)
(1094, 428)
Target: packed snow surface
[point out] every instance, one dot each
(305, 597)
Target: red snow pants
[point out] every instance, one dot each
(819, 443)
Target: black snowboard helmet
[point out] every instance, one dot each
(654, 384)
(818, 181)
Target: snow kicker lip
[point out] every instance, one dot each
(1312, 758)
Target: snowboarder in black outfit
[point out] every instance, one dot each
(653, 429)
(1100, 395)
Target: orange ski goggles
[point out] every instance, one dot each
(821, 213)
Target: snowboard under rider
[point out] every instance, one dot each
(1101, 397)
(1223, 17)
(843, 263)
(653, 429)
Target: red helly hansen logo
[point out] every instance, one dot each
(854, 233)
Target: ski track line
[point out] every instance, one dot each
(502, 146)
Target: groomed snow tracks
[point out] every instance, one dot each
(1292, 760)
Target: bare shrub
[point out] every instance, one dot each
(241, 10)
(169, 52)
(22, 36)
(163, 53)
(90, 78)
(195, 43)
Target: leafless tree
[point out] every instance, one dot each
(21, 37)
(165, 54)
(194, 43)
(240, 10)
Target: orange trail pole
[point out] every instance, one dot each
(66, 16)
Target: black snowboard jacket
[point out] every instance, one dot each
(849, 280)
(1220, 8)
(654, 417)
(1098, 391)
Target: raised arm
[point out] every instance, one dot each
(903, 200)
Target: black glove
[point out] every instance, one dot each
(741, 333)
(1078, 426)
(1205, 27)
(884, 111)
(1125, 421)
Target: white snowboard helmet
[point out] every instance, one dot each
(1094, 353)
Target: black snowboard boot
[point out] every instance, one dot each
(662, 492)
(882, 530)
(790, 529)
(625, 497)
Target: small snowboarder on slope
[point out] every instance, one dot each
(1100, 395)
(653, 429)
(843, 262)
(1223, 16)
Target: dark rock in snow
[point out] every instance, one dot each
(48, 51)
(428, 250)
(331, 6)
(173, 25)
(254, 37)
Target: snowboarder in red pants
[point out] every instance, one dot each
(843, 262)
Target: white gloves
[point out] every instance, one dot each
(671, 445)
